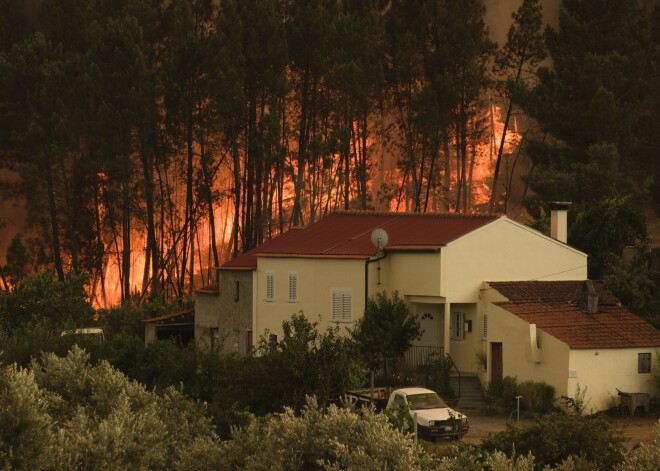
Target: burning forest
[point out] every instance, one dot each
(152, 141)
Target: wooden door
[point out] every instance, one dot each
(495, 360)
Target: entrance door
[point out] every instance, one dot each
(495, 360)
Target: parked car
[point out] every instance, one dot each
(434, 418)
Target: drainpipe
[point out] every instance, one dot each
(378, 257)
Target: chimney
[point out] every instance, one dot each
(558, 220)
(588, 298)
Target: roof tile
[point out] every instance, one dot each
(348, 234)
(552, 306)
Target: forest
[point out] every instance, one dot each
(150, 141)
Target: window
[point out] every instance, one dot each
(644, 363)
(341, 305)
(398, 400)
(456, 325)
(270, 286)
(293, 287)
(272, 340)
(237, 287)
(485, 330)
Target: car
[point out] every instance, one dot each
(434, 418)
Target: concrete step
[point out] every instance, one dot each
(471, 396)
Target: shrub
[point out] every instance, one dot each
(437, 378)
(561, 435)
(536, 396)
(501, 394)
(342, 438)
(63, 413)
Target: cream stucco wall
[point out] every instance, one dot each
(603, 371)
(411, 273)
(316, 279)
(505, 251)
(517, 357)
(464, 352)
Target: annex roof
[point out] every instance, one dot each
(553, 307)
(177, 318)
(348, 235)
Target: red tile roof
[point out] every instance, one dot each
(348, 235)
(552, 306)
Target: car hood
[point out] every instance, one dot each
(441, 413)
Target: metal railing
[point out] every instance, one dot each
(418, 356)
(457, 372)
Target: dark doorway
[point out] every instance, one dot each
(495, 360)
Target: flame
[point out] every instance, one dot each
(383, 169)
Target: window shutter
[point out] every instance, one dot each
(341, 306)
(485, 326)
(270, 286)
(346, 308)
(336, 306)
(293, 287)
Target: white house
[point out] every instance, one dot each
(439, 263)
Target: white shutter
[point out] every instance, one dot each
(342, 300)
(485, 331)
(346, 307)
(270, 286)
(456, 325)
(336, 306)
(293, 287)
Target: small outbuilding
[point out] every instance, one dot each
(573, 335)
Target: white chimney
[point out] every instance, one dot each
(558, 220)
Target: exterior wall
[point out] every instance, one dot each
(505, 251)
(411, 274)
(219, 318)
(517, 357)
(464, 352)
(604, 371)
(316, 279)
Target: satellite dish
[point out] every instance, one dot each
(379, 238)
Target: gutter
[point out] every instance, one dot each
(378, 257)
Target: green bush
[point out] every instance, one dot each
(500, 394)
(559, 436)
(437, 377)
(536, 396)
(64, 413)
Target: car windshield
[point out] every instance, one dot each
(425, 401)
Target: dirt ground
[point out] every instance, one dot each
(635, 429)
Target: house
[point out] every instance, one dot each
(572, 335)
(443, 265)
(179, 325)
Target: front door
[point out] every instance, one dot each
(495, 360)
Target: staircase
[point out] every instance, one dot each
(472, 396)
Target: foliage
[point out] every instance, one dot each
(536, 396)
(559, 436)
(501, 393)
(400, 417)
(75, 415)
(386, 330)
(437, 377)
(645, 457)
(639, 287)
(303, 362)
(339, 439)
(41, 298)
